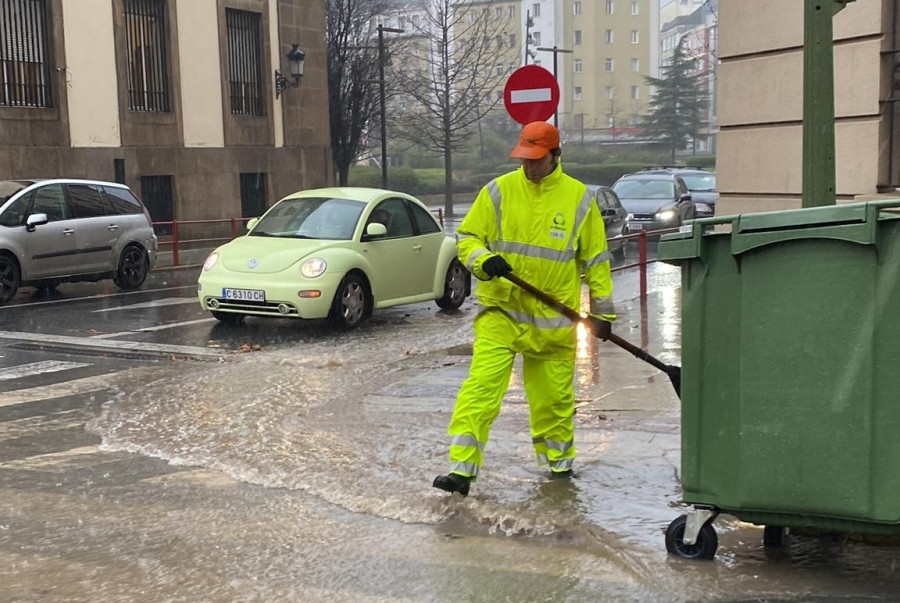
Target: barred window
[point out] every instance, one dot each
(145, 37)
(244, 64)
(24, 54)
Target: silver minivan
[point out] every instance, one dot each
(60, 230)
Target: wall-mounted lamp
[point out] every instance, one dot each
(296, 57)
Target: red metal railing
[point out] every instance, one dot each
(176, 242)
(642, 261)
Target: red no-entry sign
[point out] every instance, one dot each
(531, 94)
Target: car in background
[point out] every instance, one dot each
(701, 183)
(335, 254)
(60, 230)
(655, 201)
(615, 219)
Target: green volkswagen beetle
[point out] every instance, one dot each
(337, 254)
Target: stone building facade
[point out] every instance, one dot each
(176, 98)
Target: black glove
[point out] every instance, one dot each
(496, 266)
(601, 329)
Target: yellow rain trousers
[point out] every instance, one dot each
(550, 233)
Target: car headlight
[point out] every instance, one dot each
(211, 260)
(313, 267)
(666, 215)
(703, 208)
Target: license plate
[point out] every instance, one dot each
(637, 226)
(255, 295)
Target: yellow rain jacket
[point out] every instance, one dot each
(549, 233)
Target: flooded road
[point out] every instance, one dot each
(304, 472)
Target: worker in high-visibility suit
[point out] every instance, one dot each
(545, 227)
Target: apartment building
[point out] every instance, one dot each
(604, 48)
(760, 103)
(176, 98)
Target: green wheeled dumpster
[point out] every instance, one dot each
(790, 377)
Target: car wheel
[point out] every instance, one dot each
(351, 303)
(133, 268)
(10, 278)
(455, 286)
(228, 318)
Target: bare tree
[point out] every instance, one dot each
(352, 67)
(464, 52)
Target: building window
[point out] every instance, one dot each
(244, 64)
(156, 193)
(415, 21)
(635, 8)
(535, 10)
(576, 7)
(253, 195)
(577, 65)
(145, 37)
(536, 38)
(498, 69)
(610, 7)
(512, 12)
(609, 36)
(577, 37)
(635, 93)
(635, 36)
(498, 12)
(576, 94)
(24, 54)
(635, 65)
(610, 64)
(609, 92)
(499, 41)
(401, 22)
(512, 40)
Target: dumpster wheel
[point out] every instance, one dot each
(705, 546)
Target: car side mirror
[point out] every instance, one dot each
(251, 223)
(607, 212)
(375, 229)
(686, 197)
(35, 220)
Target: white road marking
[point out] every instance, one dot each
(30, 303)
(171, 325)
(74, 387)
(533, 95)
(50, 459)
(38, 368)
(167, 301)
(85, 342)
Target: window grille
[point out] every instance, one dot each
(156, 192)
(145, 38)
(24, 54)
(244, 62)
(253, 195)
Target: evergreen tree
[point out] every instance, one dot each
(678, 104)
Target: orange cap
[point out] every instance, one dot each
(536, 140)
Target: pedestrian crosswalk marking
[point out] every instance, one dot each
(171, 325)
(38, 368)
(60, 390)
(123, 346)
(44, 461)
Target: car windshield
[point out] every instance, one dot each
(700, 182)
(8, 188)
(310, 218)
(645, 189)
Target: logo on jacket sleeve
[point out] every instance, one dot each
(558, 229)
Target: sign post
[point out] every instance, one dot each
(531, 94)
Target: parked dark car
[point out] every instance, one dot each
(701, 183)
(615, 218)
(655, 201)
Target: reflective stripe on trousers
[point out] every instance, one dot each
(548, 387)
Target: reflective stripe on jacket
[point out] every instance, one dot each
(549, 233)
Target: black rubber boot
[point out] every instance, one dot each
(453, 483)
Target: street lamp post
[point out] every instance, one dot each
(555, 52)
(381, 61)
